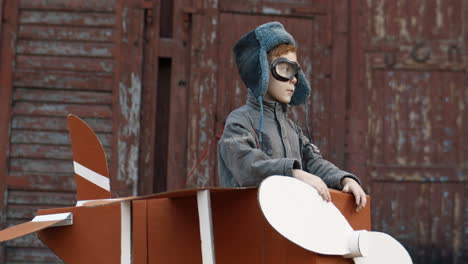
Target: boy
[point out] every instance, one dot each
(259, 140)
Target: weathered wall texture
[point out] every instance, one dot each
(61, 57)
(414, 83)
(156, 80)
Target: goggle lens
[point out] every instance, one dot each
(283, 69)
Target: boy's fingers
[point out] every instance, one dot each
(346, 188)
(357, 198)
(364, 202)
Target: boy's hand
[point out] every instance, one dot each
(351, 186)
(313, 181)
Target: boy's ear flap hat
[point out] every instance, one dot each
(252, 61)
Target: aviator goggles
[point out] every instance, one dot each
(284, 70)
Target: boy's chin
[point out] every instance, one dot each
(284, 100)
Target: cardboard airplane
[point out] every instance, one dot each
(204, 225)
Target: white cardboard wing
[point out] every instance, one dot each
(298, 212)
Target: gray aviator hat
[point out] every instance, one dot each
(252, 62)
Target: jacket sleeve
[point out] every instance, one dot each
(314, 163)
(248, 164)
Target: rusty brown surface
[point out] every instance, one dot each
(147, 164)
(202, 98)
(415, 75)
(127, 98)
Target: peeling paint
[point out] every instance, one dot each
(271, 11)
(439, 15)
(129, 131)
(379, 18)
(124, 21)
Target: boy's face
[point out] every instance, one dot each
(278, 90)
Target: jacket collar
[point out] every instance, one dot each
(269, 107)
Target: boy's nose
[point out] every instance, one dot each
(294, 80)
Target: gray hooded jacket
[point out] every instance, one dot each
(242, 162)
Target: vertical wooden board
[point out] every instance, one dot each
(203, 81)
(139, 232)
(376, 132)
(358, 100)
(8, 38)
(419, 105)
(178, 107)
(447, 226)
(463, 258)
(452, 116)
(173, 231)
(8, 14)
(146, 175)
(238, 227)
(339, 85)
(410, 225)
(127, 98)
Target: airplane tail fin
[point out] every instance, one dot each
(89, 162)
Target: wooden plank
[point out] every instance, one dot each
(102, 5)
(24, 212)
(98, 65)
(8, 39)
(49, 137)
(37, 151)
(337, 122)
(9, 15)
(410, 225)
(49, 96)
(292, 8)
(149, 106)
(66, 33)
(56, 48)
(414, 174)
(42, 166)
(67, 18)
(178, 106)
(99, 125)
(30, 241)
(26, 108)
(41, 198)
(127, 98)
(203, 97)
(358, 123)
(36, 254)
(40, 151)
(38, 181)
(447, 224)
(464, 247)
(59, 80)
